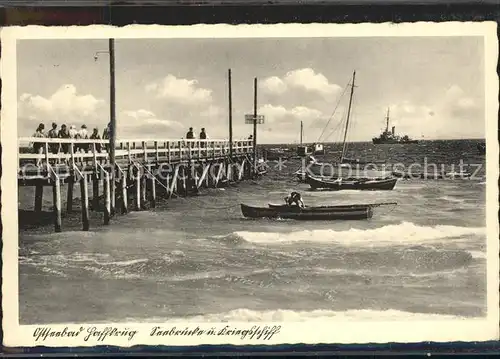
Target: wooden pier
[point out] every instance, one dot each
(141, 171)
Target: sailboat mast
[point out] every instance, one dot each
(301, 131)
(387, 121)
(348, 116)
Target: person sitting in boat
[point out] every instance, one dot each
(294, 198)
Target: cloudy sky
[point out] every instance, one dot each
(434, 86)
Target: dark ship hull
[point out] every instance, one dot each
(382, 184)
(389, 137)
(297, 213)
(379, 141)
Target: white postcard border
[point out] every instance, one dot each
(311, 332)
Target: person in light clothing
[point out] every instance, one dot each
(84, 135)
(38, 146)
(72, 131)
(54, 147)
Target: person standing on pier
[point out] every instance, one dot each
(106, 135)
(73, 134)
(203, 136)
(190, 136)
(95, 136)
(54, 147)
(38, 146)
(72, 131)
(64, 133)
(84, 135)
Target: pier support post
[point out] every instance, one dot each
(84, 190)
(38, 198)
(241, 171)
(95, 192)
(207, 177)
(57, 205)
(153, 192)
(69, 201)
(181, 182)
(220, 168)
(229, 173)
(190, 181)
(113, 190)
(107, 198)
(138, 190)
(143, 190)
(168, 180)
(123, 185)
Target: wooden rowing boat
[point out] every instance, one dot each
(295, 212)
(366, 184)
(340, 208)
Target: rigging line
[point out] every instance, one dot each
(335, 128)
(335, 109)
(333, 113)
(342, 119)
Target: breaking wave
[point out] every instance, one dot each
(405, 233)
(452, 199)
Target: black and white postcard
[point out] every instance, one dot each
(249, 184)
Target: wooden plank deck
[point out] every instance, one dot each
(86, 155)
(175, 166)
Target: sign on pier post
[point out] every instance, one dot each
(254, 120)
(251, 119)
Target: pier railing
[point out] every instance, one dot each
(72, 152)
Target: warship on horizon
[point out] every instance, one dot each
(389, 137)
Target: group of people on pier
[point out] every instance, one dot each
(203, 136)
(70, 133)
(190, 134)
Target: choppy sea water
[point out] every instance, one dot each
(197, 259)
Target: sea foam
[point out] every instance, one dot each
(405, 233)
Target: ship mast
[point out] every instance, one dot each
(387, 121)
(348, 116)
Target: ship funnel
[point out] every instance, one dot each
(393, 130)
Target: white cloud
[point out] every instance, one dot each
(213, 112)
(311, 81)
(273, 85)
(181, 91)
(459, 105)
(305, 113)
(276, 114)
(273, 112)
(445, 118)
(144, 118)
(305, 79)
(140, 114)
(63, 105)
(408, 112)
